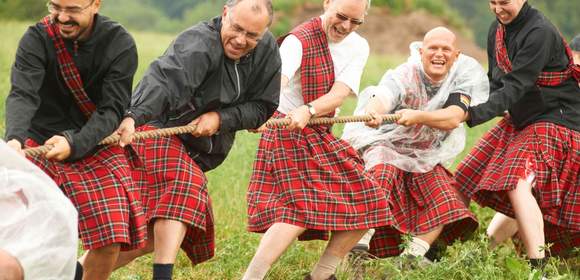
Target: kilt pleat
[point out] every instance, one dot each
(504, 155)
(311, 179)
(106, 198)
(174, 187)
(420, 203)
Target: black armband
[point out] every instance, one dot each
(458, 99)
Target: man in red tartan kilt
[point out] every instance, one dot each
(432, 92)
(71, 84)
(528, 166)
(305, 181)
(221, 76)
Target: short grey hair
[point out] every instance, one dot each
(368, 7)
(267, 4)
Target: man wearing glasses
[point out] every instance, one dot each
(306, 182)
(221, 76)
(71, 84)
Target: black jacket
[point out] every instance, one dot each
(534, 45)
(194, 77)
(40, 104)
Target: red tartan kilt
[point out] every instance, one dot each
(174, 187)
(420, 203)
(105, 196)
(313, 180)
(504, 155)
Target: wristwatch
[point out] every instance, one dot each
(311, 109)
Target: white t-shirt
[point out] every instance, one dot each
(348, 56)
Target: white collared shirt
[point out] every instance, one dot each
(348, 56)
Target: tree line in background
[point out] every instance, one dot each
(175, 15)
(565, 14)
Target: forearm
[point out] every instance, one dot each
(19, 114)
(101, 124)
(332, 100)
(445, 119)
(247, 115)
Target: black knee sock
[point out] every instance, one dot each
(162, 271)
(538, 263)
(79, 272)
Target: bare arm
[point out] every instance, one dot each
(447, 118)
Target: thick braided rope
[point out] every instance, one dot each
(164, 132)
(328, 121)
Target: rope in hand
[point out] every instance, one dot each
(272, 123)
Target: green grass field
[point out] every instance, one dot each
(227, 185)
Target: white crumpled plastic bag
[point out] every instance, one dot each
(38, 224)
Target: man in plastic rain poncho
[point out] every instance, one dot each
(38, 224)
(432, 92)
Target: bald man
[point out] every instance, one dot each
(10, 268)
(432, 92)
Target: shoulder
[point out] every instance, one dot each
(113, 31)
(540, 28)
(356, 42)
(34, 39)
(267, 50)
(201, 39)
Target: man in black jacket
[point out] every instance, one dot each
(221, 76)
(527, 166)
(71, 84)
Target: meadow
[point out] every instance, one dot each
(227, 184)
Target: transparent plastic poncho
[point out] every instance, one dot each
(416, 148)
(38, 224)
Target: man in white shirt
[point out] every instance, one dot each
(306, 182)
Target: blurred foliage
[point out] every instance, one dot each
(562, 13)
(22, 9)
(172, 16)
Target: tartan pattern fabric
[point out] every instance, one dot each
(504, 155)
(420, 203)
(564, 241)
(316, 68)
(546, 78)
(68, 69)
(313, 180)
(102, 190)
(309, 178)
(174, 187)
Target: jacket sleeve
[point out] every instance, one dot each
(26, 78)
(263, 101)
(527, 65)
(171, 80)
(116, 95)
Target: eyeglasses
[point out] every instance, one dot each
(251, 37)
(353, 21)
(72, 11)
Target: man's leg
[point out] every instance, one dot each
(341, 242)
(500, 229)
(125, 257)
(168, 236)
(272, 245)
(529, 219)
(99, 263)
(10, 267)
(420, 244)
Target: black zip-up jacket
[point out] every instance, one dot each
(194, 77)
(40, 104)
(534, 45)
